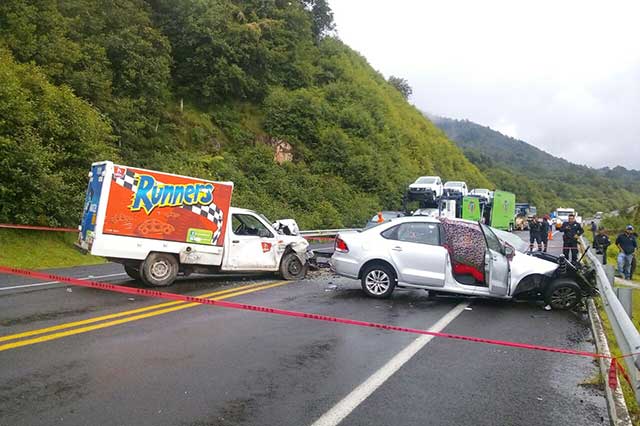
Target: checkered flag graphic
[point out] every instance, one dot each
(128, 180)
(210, 211)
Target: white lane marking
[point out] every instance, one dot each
(90, 277)
(350, 402)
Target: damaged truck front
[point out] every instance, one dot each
(160, 225)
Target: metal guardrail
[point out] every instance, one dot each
(627, 335)
(326, 232)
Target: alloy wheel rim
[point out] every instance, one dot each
(377, 282)
(563, 297)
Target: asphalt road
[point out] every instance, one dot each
(78, 356)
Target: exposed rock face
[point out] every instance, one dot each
(283, 151)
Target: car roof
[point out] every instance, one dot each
(457, 182)
(405, 219)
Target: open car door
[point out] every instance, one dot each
(496, 264)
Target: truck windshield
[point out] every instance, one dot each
(426, 180)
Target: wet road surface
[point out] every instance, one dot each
(78, 356)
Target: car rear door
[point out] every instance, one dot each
(416, 251)
(496, 264)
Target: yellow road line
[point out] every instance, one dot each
(156, 308)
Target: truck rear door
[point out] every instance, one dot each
(91, 203)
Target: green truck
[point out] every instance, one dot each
(472, 208)
(503, 210)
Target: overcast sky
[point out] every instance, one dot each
(561, 75)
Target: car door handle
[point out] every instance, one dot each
(396, 248)
(235, 241)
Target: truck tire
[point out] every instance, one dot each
(159, 269)
(292, 268)
(134, 273)
(563, 294)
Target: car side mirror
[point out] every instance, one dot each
(509, 251)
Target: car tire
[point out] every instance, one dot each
(159, 269)
(563, 294)
(134, 273)
(292, 268)
(378, 281)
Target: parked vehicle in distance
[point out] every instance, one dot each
(159, 225)
(454, 186)
(429, 212)
(387, 215)
(598, 215)
(562, 215)
(503, 210)
(411, 253)
(427, 184)
(482, 193)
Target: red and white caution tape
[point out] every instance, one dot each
(614, 369)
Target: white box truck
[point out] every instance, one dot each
(159, 225)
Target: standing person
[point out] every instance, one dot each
(571, 232)
(545, 227)
(534, 233)
(627, 245)
(594, 229)
(602, 243)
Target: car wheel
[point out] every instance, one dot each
(378, 280)
(563, 294)
(133, 273)
(159, 269)
(292, 268)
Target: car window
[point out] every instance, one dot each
(492, 241)
(246, 224)
(414, 232)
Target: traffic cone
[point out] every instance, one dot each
(550, 235)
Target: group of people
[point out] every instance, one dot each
(539, 228)
(627, 242)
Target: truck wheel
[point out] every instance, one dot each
(292, 268)
(133, 273)
(563, 294)
(378, 281)
(159, 269)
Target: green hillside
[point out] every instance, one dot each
(205, 88)
(538, 177)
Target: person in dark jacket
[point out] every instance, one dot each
(571, 231)
(601, 244)
(627, 244)
(594, 229)
(545, 227)
(534, 233)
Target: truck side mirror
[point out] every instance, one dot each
(264, 233)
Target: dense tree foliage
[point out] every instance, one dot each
(402, 85)
(205, 88)
(538, 177)
(47, 140)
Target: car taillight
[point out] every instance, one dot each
(341, 246)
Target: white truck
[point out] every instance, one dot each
(562, 215)
(159, 225)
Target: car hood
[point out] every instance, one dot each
(523, 264)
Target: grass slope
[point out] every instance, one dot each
(41, 249)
